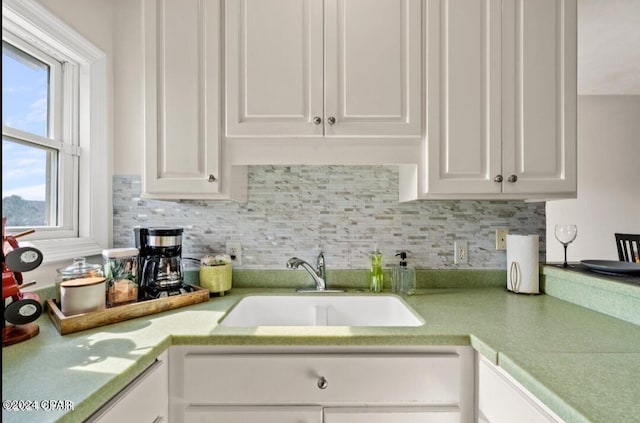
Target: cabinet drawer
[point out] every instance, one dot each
(389, 379)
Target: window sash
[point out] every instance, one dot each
(62, 189)
(51, 172)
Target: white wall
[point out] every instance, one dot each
(94, 20)
(115, 26)
(608, 179)
(91, 18)
(128, 132)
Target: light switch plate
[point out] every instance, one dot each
(501, 239)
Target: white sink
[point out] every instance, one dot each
(314, 310)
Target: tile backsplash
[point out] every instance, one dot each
(341, 210)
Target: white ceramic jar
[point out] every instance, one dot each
(78, 270)
(83, 295)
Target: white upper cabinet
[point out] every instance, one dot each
(182, 80)
(539, 98)
(331, 68)
(473, 99)
(373, 68)
(463, 96)
(274, 75)
(501, 99)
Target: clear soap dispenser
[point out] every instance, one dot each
(376, 277)
(403, 278)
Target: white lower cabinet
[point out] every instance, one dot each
(322, 385)
(317, 414)
(390, 415)
(143, 400)
(255, 414)
(501, 399)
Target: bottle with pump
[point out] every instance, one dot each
(403, 279)
(376, 277)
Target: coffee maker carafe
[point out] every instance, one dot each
(160, 262)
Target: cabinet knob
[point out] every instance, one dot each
(331, 120)
(317, 120)
(498, 178)
(322, 382)
(212, 178)
(512, 178)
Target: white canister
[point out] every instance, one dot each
(523, 272)
(83, 295)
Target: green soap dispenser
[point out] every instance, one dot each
(403, 279)
(376, 277)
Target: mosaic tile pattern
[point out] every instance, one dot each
(341, 210)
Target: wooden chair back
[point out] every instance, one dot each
(628, 247)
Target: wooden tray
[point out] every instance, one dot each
(78, 322)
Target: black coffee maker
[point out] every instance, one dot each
(160, 267)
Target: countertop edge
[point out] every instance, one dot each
(595, 292)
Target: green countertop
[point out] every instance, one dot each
(583, 364)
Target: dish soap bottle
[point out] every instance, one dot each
(403, 279)
(376, 277)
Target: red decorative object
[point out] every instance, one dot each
(24, 307)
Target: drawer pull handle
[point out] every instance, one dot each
(322, 382)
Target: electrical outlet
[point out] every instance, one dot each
(501, 239)
(461, 252)
(234, 250)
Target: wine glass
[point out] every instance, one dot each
(566, 234)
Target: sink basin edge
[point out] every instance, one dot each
(347, 310)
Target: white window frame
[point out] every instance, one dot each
(62, 139)
(80, 134)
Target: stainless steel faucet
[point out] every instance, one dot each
(318, 274)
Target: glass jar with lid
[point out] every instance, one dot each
(77, 270)
(121, 273)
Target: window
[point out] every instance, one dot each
(32, 156)
(54, 146)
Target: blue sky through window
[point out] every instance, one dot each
(25, 88)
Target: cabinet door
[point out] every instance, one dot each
(182, 80)
(463, 96)
(539, 96)
(146, 399)
(274, 59)
(501, 399)
(390, 415)
(373, 68)
(253, 414)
